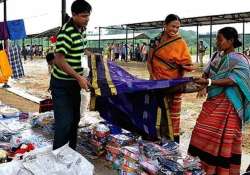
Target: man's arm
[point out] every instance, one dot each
(63, 65)
(88, 52)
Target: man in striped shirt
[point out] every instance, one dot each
(67, 75)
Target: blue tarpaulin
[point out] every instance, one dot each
(16, 29)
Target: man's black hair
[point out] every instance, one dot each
(80, 6)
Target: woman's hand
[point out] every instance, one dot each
(189, 68)
(201, 81)
(203, 84)
(202, 93)
(152, 77)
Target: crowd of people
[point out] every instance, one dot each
(125, 52)
(31, 51)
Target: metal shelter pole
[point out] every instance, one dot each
(42, 45)
(133, 43)
(31, 49)
(99, 44)
(126, 46)
(5, 22)
(5, 10)
(211, 28)
(243, 37)
(197, 43)
(63, 11)
(48, 43)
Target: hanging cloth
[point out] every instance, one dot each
(16, 62)
(5, 68)
(16, 29)
(3, 31)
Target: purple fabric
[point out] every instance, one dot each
(127, 83)
(135, 105)
(4, 34)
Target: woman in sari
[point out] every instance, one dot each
(216, 138)
(168, 58)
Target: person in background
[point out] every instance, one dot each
(168, 59)
(116, 51)
(202, 50)
(24, 52)
(137, 52)
(50, 58)
(112, 57)
(130, 51)
(144, 51)
(123, 52)
(216, 138)
(109, 50)
(67, 78)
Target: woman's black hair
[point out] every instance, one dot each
(231, 33)
(172, 17)
(80, 6)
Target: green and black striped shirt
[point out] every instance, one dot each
(71, 43)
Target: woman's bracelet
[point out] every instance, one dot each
(209, 82)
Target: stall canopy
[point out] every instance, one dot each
(196, 21)
(47, 33)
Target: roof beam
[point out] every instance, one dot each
(194, 21)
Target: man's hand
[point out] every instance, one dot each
(87, 52)
(83, 82)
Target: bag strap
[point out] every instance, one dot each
(213, 57)
(166, 43)
(163, 45)
(169, 64)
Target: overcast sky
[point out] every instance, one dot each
(40, 15)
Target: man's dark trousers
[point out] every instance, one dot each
(66, 100)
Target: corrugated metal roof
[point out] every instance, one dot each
(194, 21)
(47, 33)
